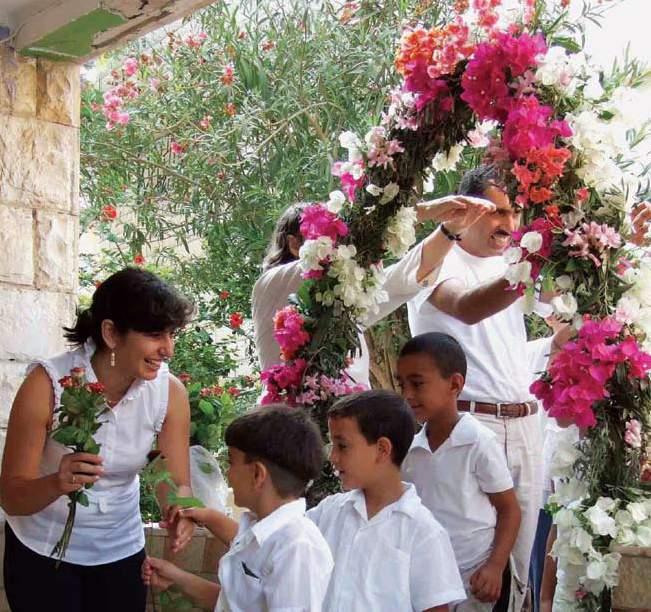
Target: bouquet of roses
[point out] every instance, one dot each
(81, 405)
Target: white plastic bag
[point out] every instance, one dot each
(206, 478)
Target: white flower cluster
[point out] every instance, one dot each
(634, 307)
(567, 72)
(400, 233)
(356, 287)
(583, 566)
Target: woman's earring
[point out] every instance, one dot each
(112, 359)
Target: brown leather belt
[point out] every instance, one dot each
(501, 409)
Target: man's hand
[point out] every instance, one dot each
(457, 212)
(641, 217)
(486, 582)
(158, 573)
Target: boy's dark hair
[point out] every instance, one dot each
(133, 299)
(476, 181)
(444, 350)
(285, 440)
(379, 414)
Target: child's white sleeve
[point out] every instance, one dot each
(434, 578)
(491, 468)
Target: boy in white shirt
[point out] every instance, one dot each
(390, 554)
(277, 560)
(458, 468)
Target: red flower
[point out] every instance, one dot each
(109, 213)
(268, 45)
(185, 378)
(139, 260)
(236, 320)
(66, 382)
(230, 109)
(78, 372)
(228, 76)
(95, 387)
(224, 295)
(233, 391)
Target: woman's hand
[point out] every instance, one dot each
(77, 470)
(641, 218)
(180, 529)
(457, 212)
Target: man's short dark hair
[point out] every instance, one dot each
(379, 414)
(476, 181)
(444, 350)
(285, 440)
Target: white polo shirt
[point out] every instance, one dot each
(495, 348)
(280, 564)
(400, 560)
(453, 482)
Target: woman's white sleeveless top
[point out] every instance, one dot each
(110, 528)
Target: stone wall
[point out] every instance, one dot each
(39, 212)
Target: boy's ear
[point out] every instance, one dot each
(385, 448)
(456, 383)
(260, 474)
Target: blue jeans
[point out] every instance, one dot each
(538, 556)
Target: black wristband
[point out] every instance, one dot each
(449, 235)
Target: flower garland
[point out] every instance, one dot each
(561, 136)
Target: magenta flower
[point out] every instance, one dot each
(317, 221)
(289, 332)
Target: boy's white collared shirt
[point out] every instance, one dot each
(278, 564)
(453, 482)
(400, 560)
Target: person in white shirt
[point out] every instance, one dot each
(282, 274)
(391, 555)
(472, 302)
(277, 560)
(458, 468)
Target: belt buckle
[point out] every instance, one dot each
(498, 410)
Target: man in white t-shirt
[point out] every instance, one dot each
(471, 301)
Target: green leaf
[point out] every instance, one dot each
(82, 499)
(206, 407)
(206, 468)
(184, 502)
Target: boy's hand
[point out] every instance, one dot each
(180, 529)
(199, 515)
(486, 582)
(158, 573)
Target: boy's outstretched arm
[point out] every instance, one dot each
(486, 582)
(220, 525)
(162, 574)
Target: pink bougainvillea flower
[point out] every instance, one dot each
(289, 332)
(317, 221)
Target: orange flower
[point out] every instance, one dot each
(230, 109)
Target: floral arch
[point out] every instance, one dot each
(560, 134)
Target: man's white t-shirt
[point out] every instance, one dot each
(495, 348)
(278, 564)
(274, 286)
(453, 482)
(399, 560)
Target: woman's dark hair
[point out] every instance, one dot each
(379, 414)
(285, 440)
(444, 351)
(133, 299)
(288, 224)
(476, 181)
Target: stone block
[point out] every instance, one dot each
(11, 375)
(633, 593)
(56, 251)
(16, 240)
(17, 84)
(39, 163)
(32, 322)
(58, 92)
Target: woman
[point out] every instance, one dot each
(281, 273)
(123, 341)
